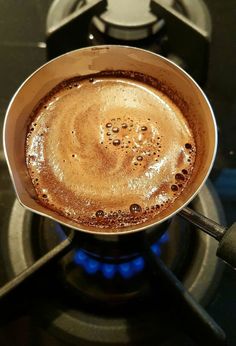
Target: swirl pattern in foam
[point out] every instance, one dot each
(109, 152)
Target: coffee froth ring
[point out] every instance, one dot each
(109, 150)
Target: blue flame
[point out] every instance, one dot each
(80, 257)
(164, 238)
(138, 264)
(108, 270)
(91, 266)
(156, 249)
(126, 269)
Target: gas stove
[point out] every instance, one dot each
(102, 291)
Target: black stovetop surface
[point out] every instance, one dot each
(22, 48)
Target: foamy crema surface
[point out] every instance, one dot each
(109, 152)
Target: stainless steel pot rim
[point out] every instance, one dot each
(104, 231)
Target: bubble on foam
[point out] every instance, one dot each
(115, 129)
(184, 171)
(100, 214)
(108, 133)
(44, 196)
(124, 126)
(144, 128)
(179, 176)
(91, 80)
(174, 187)
(140, 158)
(116, 142)
(108, 125)
(135, 208)
(188, 146)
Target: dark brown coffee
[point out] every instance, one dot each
(108, 152)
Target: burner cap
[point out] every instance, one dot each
(120, 23)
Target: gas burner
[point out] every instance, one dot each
(112, 269)
(157, 25)
(82, 303)
(121, 24)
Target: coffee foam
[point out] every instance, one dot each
(109, 152)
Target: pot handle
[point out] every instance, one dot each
(226, 237)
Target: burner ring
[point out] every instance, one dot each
(73, 325)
